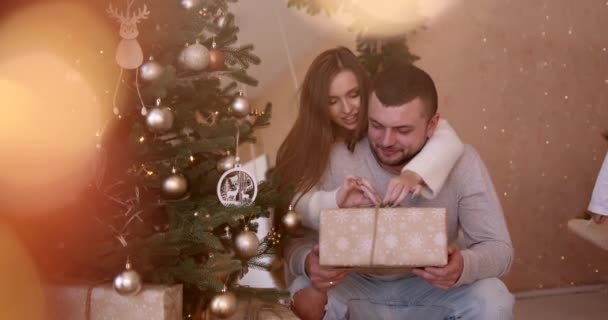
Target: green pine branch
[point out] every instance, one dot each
(376, 53)
(314, 7)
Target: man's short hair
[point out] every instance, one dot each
(399, 84)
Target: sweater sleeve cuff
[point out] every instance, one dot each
(297, 261)
(469, 270)
(318, 201)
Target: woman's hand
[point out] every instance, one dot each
(357, 192)
(399, 187)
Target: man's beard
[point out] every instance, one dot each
(399, 162)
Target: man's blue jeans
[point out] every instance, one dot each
(360, 297)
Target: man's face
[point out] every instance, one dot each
(397, 133)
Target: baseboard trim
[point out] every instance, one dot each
(560, 291)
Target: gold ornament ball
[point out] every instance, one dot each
(223, 305)
(195, 57)
(291, 220)
(127, 283)
(150, 70)
(175, 186)
(226, 163)
(159, 119)
(246, 244)
(240, 107)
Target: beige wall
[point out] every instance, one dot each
(526, 83)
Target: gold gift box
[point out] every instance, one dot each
(383, 237)
(153, 302)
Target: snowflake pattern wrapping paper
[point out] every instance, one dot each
(154, 302)
(404, 237)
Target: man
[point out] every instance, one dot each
(402, 116)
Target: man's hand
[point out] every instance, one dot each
(598, 218)
(445, 277)
(399, 187)
(357, 192)
(322, 279)
(309, 304)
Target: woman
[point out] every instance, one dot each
(333, 109)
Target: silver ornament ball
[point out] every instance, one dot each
(240, 107)
(291, 220)
(195, 57)
(150, 70)
(127, 283)
(160, 119)
(222, 21)
(175, 186)
(226, 163)
(223, 305)
(189, 4)
(246, 244)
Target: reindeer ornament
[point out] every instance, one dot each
(128, 54)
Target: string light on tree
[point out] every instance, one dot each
(189, 4)
(204, 12)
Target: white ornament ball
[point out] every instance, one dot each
(128, 283)
(150, 70)
(246, 244)
(175, 186)
(240, 107)
(222, 21)
(195, 57)
(189, 4)
(160, 119)
(223, 305)
(226, 163)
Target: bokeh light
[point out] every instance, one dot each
(52, 85)
(386, 18)
(21, 296)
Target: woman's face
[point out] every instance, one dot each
(344, 100)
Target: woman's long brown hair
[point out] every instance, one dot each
(304, 154)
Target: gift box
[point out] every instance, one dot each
(383, 237)
(153, 302)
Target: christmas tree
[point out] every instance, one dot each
(171, 203)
